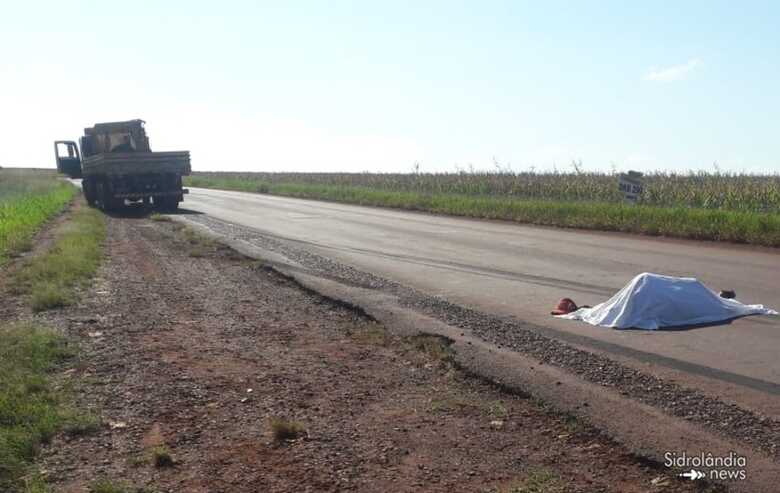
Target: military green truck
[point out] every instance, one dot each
(117, 166)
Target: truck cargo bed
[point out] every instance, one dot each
(137, 163)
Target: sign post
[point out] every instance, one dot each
(631, 186)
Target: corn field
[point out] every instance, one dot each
(724, 191)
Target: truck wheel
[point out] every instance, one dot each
(100, 195)
(159, 203)
(168, 203)
(107, 201)
(116, 204)
(111, 203)
(89, 191)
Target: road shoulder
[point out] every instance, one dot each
(645, 429)
(213, 372)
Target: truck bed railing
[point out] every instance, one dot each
(130, 163)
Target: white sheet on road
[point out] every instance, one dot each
(651, 301)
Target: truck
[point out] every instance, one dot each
(116, 165)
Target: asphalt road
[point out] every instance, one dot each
(522, 271)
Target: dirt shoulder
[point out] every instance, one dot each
(190, 350)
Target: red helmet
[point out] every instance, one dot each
(566, 305)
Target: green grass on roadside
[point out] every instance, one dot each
(52, 277)
(31, 409)
(27, 200)
(679, 222)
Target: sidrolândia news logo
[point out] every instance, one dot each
(693, 475)
(706, 465)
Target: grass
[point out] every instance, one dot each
(284, 429)
(52, 277)
(666, 211)
(106, 485)
(374, 335)
(31, 409)
(537, 481)
(156, 216)
(435, 347)
(81, 424)
(197, 244)
(35, 483)
(194, 243)
(27, 200)
(160, 456)
(451, 403)
(497, 409)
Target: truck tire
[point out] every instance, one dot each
(167, 203)
(106, 198)
(100, 194)
(88, 186)
(112, 203)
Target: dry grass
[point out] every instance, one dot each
(536, 481)
(197, 244)
(156, 216)
(435, 347)
(374, 335)
(284, 429)
(497, 409)
(160, 456)
(451, 404)
(106, 485)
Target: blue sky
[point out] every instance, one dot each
(376, 86)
